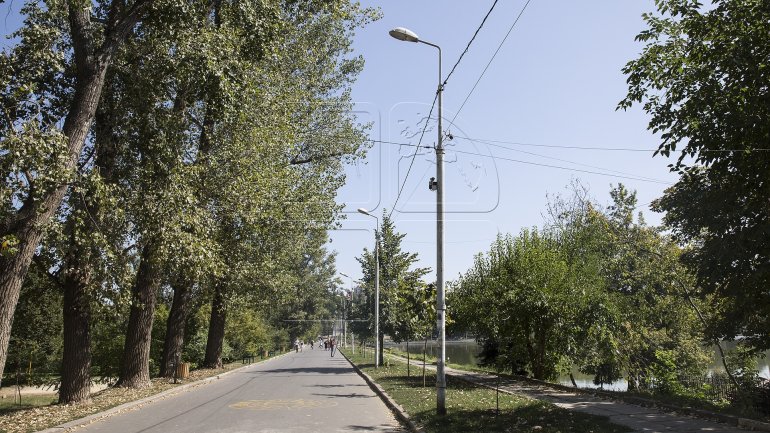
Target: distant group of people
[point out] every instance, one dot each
(329, 344)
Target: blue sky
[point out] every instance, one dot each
(556, 81)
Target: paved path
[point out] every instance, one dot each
(641, 419)
(300, 392)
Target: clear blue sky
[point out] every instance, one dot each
(556, 81)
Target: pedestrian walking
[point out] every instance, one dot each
(311, 345)
(326, 345)
(332, 345)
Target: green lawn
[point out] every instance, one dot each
(7, 405)
(471, 408)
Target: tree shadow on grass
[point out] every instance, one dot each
(530, 417)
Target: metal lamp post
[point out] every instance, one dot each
(407, 35)
(345, 323)
(376, 291)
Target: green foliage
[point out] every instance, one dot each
(36, 340)
(246, 332)
(407, 304)
(158, 334)
(532, 308)
(219, 139)
(596, 290)
(702, 77)
(743, 361)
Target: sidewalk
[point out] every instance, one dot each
(639, 418)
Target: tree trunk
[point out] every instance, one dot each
(175, 329)
(424, 349)
(408, 360)
(76, 358)
(135, 369)
(27, 224)
(216, 335)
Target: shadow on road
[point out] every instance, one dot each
(306, 370)
(380, 428)
(351, 395)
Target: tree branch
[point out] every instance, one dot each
(297, 160)
(119, 28)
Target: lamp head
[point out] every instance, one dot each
(404, 34)
(364, 211)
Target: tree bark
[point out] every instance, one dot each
(175, 329)
(408, 360)
(76, 358)
(135, 369)
(27, 224)
(216, 335)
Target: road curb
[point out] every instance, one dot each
(396, 408)
(125, 407)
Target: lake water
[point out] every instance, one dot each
(467, 351)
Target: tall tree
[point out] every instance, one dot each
(52, 81)
(397, 276)
(702, 77)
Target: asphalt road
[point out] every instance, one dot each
(301, 392)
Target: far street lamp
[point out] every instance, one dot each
(344, 309)
(376, 291)
(407, 35)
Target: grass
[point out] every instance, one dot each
(432, 360)
(42, 412)
(738, 408)
(473, 408)
(8, 405)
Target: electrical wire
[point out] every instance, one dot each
(469, 43)
(441, 86)
(556, 146)
(563, 168)
(457, 113)
(607, 171)
(414, 155)
(565, 160)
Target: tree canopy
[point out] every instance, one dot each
(703, 78)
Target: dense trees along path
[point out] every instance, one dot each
(300, 392)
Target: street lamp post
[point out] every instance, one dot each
(407, 35)
(376, 291)
(345, 323)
